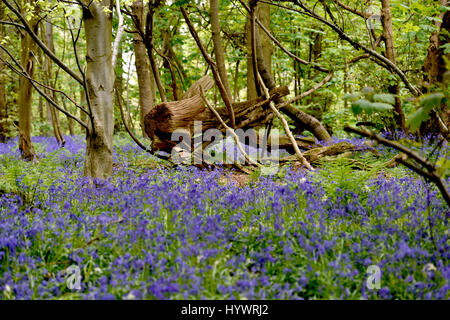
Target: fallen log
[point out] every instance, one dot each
(313, 155)
(165, 118)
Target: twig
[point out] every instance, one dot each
(33, 82)
(236, 138)
(135, 139)
(278, 43)
(307, 93)
(285, 125)
(39, 42)
(392, 66)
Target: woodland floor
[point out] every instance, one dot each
(184, 233)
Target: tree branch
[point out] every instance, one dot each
(431, 173)
(39, 42)
(213, 66)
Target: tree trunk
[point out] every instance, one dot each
(300, 118)
(388, 35)
(146, 81)
(435, 68)
(263, 14)
(218, 47)
(3, 108)
(48, 32)
(27, 61)
(119, 86)
(69, 120)
(434, 65)
(100, 82)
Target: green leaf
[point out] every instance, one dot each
(384, 97)
(414, 120)
(430, 101)
(359, 105)
(380, 107)
(350, 96)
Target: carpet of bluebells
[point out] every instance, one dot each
(154, 232)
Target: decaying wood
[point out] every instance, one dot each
(167, 117)
(313, 155)
(206, 82)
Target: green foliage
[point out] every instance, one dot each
(427, 103)
(368, 102)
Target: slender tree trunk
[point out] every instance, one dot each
(388, 35)
(3, 107)
(263, 14)
(146, 82)
(27, 60)
(301, 118)
(69, 120)
(100, 83)
(218, 47)
(48, 32)
(170, 52)
(435, 67)
(236, 82)
(119, 86)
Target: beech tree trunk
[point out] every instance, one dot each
(27, 46)
(3, 110)
(146, 81)
(100, 83)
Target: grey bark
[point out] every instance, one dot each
(100, 83)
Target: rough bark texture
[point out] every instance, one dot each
(218, 47)
(166, 117)
(27, 60)
(146, 82)
(100, 82)
(388, 35)
(3, 110)
(206, 82)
